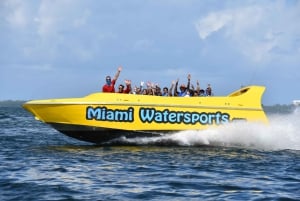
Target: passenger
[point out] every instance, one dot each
(208, 90)
(184, 90)
(171, 88)
(149, 85)
(175, 88)
(110, 84)
(144, 92)
(201, 92)
(191, 92)
(128, 87)
(141, 87)
(165, 91)
(137, 90)
(198, 88)
(157, 91)
(150, 91)
(196, 93)
(150, 88)
(121, 88)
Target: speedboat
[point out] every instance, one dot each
(103, 117)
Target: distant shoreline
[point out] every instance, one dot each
(12, 103)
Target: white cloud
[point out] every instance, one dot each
(49, 17)
(212, 23)
(53, 17)
(256, 30)
(16, 13)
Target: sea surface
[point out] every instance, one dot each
(236, 162)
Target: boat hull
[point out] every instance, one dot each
(102, 117)
(104, 136)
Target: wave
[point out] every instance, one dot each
(282, 132)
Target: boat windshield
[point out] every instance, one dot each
(239, 92)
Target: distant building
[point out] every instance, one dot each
(296, 102)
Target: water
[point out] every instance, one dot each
(237, 162)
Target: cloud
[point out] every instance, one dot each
(16, 13)
(262, 32)
(212, 23)
(46, 30)
(51, 17)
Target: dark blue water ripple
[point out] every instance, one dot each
(38, 163)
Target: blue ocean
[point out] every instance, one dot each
(239, 161)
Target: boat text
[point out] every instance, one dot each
(152, 115)
(104, 114)
(166, 116)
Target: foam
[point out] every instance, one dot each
(282, 132)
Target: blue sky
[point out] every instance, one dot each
(65, 48)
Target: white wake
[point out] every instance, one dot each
(282, 132)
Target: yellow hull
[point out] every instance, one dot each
(101, 116)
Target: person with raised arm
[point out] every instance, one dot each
(109, 86)
(122, 89)
(208, 90)
(171, 88)
(184, 90)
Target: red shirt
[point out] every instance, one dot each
(109, 88)
(127, 90)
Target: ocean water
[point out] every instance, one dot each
(236, 162)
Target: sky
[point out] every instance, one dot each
(66, 48)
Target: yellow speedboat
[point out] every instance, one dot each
(101, 117)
